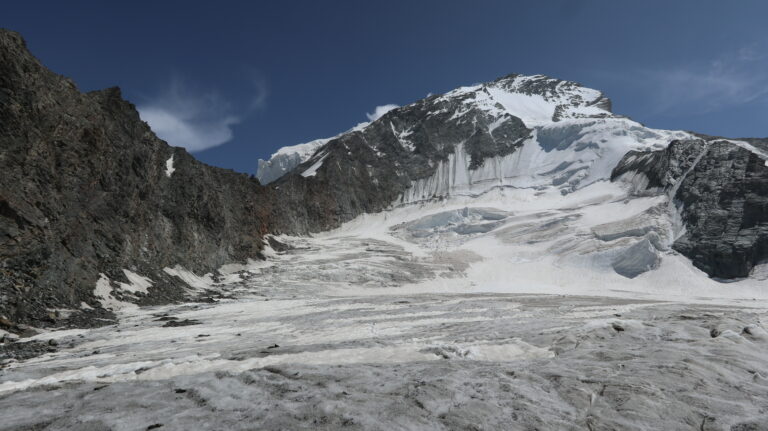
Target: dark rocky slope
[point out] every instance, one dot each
(721, 191)
(84, 191)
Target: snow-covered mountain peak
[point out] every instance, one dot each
(536, 99)
(287, 158)
(533, 145)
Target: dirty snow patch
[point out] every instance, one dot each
(103, 292)
(169, 169)
(136, 283)
(193, 280)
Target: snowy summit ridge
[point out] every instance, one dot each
(500, 133)
(286, 158)
(535, 99)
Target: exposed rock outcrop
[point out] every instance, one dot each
(720, 189)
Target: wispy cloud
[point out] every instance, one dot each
(261, 91)
(380, 110)
(732, 79)
(187, 117)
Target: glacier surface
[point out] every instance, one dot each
(471, 311)
(528, 293)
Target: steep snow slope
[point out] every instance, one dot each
(556, 139)
(566, 155)
(518, 131)
(536, 100)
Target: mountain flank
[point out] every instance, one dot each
(88, 189)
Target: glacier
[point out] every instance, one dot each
(529, 292)
(421, 317)
(567, 155)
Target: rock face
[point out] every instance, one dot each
(720, 189)
(87, 188)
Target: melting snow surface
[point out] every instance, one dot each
(104, 292)
(194, 281)
(507, 295)
(136, 283)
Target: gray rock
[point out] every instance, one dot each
(721, 191)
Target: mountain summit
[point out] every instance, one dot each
(531, 99)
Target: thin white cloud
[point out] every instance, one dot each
(380, 110)
(733, 79)
(259, 100)
(195, 120)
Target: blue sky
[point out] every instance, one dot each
(234, 81)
